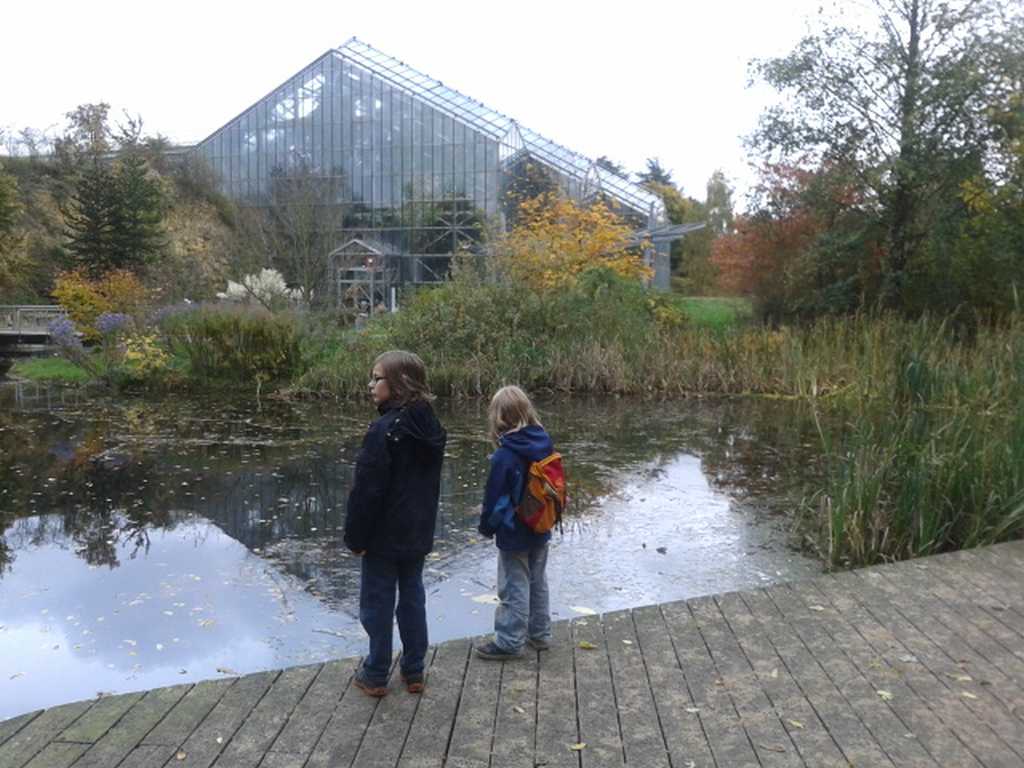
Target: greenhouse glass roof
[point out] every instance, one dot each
(500, 127)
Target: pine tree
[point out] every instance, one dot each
(137, 234)
(89, 219)
(115, 220)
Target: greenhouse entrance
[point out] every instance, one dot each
(363, 275)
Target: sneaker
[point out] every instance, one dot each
(364, 684)
(492, 652)
(413, 682)
(539, 644)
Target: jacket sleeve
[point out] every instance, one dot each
(499, 484)
(366, 500)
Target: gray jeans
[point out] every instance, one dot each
(523, 590)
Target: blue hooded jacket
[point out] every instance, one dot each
(509, 465)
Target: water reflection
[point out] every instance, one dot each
(147, 543)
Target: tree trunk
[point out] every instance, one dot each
(903, 211)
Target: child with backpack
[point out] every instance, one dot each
(523, 499)
(391, 515)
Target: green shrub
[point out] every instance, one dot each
(235, 344)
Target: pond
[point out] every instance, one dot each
(147, 542)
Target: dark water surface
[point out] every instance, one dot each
(151, 542)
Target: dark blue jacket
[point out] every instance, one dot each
(509, 465)
(392, 507)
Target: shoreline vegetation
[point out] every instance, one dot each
(920, 421)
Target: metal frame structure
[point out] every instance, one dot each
(417, 169)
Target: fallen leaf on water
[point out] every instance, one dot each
(795, 723)
(586, 645)
(884, 695)
(583, 610)
(577, 747)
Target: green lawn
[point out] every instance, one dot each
(713, 312)
(49, 369)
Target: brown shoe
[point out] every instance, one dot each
(367, 687)
(413, 683)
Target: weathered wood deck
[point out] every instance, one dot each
(915, 664)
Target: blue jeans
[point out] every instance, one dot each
(523, 591)
(379, 577)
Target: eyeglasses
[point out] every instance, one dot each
(375, 379)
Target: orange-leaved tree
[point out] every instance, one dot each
(556, 239)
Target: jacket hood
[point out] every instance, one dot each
(531, 443)
(418, 421)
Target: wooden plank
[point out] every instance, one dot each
(679, 716)
(924, 613)
(473, 734)
(58, 755)
(964, 602)
(729, 741)
(643, 740)
(990, 593)
(34, 736)
(188, 713)
(265, 721)
(806, 730)
(213, 734)
(924, 666)
(340, 740)
(99, 719)
(431, 728)
(597, 706)
(303, 729)
(388, 729)
(557, 719)
(885, 674)
(768, 735)
(842, 722)
(516, 716)
(149, 756)
(115, 745)
(12, 725)
(877, 714)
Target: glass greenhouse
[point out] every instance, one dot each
(403, 170)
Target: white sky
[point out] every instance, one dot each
(629, 80)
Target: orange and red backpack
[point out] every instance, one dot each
(543, 495)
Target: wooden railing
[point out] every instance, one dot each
(27, 320)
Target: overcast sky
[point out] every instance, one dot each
(629, 80)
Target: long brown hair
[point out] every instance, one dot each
(406, 376)
(510, 409)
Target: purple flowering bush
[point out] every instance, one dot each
(112, 323)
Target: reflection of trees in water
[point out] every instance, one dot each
(277, 481)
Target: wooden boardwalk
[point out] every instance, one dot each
(914, 664)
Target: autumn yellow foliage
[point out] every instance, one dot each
(85, 299)
(557, 239)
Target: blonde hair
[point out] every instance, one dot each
(510, 409)
(406, 376)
